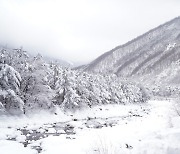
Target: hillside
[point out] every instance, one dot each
(147, 55)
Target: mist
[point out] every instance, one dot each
(79, 31)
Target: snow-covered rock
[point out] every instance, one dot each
(51, 130)
(21, 138)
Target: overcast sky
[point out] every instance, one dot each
(79, 30)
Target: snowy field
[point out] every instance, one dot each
(151, 128)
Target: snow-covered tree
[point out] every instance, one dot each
(36, 92)
(43, 85)
(9, 89)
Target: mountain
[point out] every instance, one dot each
(58, 61)
(147, 55)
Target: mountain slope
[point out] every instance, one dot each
(149, 53)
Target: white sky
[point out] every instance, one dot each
(79, 30)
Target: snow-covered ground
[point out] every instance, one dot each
(152, 128)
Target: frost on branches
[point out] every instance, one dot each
(42, 85)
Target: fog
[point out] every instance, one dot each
(80, 30)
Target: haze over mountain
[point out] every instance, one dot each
(148, 54)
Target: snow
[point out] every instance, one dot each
(61, 131)
(152, 134)
(40, 130)
(155, 130)
(51, 130)
(170, 46)
(32, 121)
(12, 147)
(21, 138)
(6, 133)
(60, 144)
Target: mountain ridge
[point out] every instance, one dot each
(134, 39)
(158, 46)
